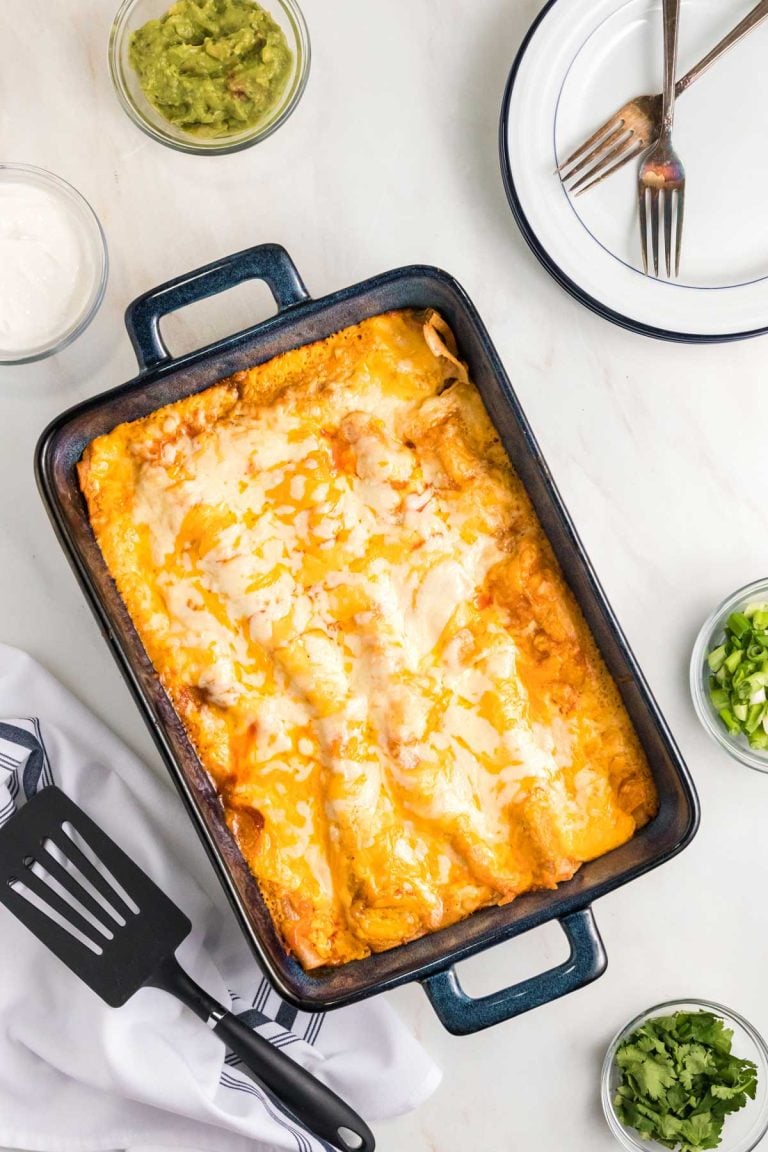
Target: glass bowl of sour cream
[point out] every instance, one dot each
(53, 263)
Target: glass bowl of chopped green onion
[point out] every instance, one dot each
(687, 1075)
(209, 77)
(729, 675)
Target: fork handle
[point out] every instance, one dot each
(750, 21)
(671, 12)
(315, 1106)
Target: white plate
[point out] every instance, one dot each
(581, 60)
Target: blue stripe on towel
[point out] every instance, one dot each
(35, 761)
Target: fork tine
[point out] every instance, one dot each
(580, 188)
(679, 228)
(594, 138)
(621, 153)
(668, 231)
(654, 194)
(643, 226)
(595, 157)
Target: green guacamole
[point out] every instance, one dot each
(212, 67)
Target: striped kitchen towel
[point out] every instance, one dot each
(77, 1076)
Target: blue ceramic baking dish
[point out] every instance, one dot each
(162, 379)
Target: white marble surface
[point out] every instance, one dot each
(660, 451)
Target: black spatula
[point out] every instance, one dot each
(97, 911)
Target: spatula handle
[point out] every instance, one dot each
(315, 1106)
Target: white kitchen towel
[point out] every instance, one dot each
(77, 1076)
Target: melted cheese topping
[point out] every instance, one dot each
(351, 604)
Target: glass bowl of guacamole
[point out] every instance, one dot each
(209, 76)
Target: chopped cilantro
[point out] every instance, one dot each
(679, 1080)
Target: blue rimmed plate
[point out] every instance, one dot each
(580, 61)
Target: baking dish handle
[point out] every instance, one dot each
(462, 1014)
(268, 262)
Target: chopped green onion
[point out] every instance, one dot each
(719, 698)
(754, 717)
(729, 720)
(739, 624)
(738, 675)
(716, 659)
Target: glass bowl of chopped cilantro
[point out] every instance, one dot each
(687, 1075)
(209, 76)
(729, 675)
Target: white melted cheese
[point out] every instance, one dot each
(380, 671)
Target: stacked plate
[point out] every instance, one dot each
(583, 59)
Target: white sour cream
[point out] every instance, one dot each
(46, 275)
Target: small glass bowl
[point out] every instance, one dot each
(92, 253)
(712, 634)
(132, 14)
(743, 1130)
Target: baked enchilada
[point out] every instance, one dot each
(350, 602)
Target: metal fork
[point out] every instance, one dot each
(637, 123)
(661, 173)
